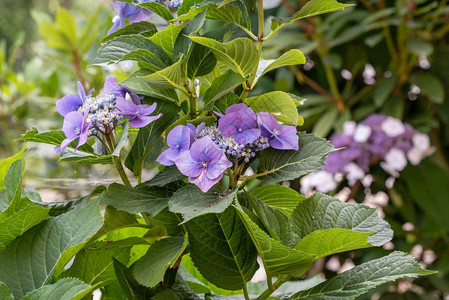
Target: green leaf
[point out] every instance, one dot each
(333, 240)
(430, 85)
(186, 5)
(231, 260)
(84, 158)
(94, 265)
(163, 254)
(278, 165)
(277, 258)
(278, 103)
(320, 212)
(168, 78)
(220, 86)
(235, 13)
(360, 279)
(278, 196)
(66, 24)
(290, 58)
(164, 177)
(53, 137)
(122, 141)
(239, 55)
(201, 61)
(191, 202)
(326, 122)
(149, 134)
(224, 102)
(14, 221)
(275, 221)
(183, 43)
(159, 9)
(138, 85)
(116, 49)
(384, 89)
(429, 180)
(166, 38)
(129, 285)
(5, 293)
(151, 200)
(12, 194)
(144, 28)
(5, 164)
(145, 58)
(63, 289)
(29, 262)
(312, 8)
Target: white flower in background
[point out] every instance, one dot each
(395, 161)
(267, 4)
(322, 182)
(349, 127)
(368, 74)
(421, 148)
(354, 173)
(362, 133)
(260, 274)
(393, 127)
(346, 74)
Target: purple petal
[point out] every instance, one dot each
(203, 182)
(168, 157)
(230, 120)
(81, 140)
(287, 140)
(73, 122)
(146, 109)
(64, 144)
(187, 166)
(181, 136)
(118, 6)
(114, 26)
(239, 108)
(204, 150)
(267, 124)
(128, 108)
(143, 121)
(81, 91)
(251, 135)
(68, 104)
(191, 126)
(141, 15)
(215, 170)
(110, 86)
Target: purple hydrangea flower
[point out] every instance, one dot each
(281, 137)
(204, 163)
(72, 102)
(179, 140)
(110, 86)
(75, 126)
(133, 13)
(240, 122)
(137, 114)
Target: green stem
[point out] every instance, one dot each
(272, 288)
(245, 292)
(330, 76)
(232, 182)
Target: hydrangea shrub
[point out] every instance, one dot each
(215, 213)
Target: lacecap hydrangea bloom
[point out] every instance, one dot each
(204, 153)
(379, 140)
(85, 115)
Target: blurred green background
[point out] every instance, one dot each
(389, 57)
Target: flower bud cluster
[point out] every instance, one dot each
(230, 146)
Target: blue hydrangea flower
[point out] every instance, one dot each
(175, 3)
(240, 122)
(72, 102)
(75, 126)
(133, 13)
(137, 114)
(204, 163)
(179, 140)
(282, 137)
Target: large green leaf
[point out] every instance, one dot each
(235, 13)
(277, 258)
(84, 158)
(163, 254)
(148, 135)
(183, 43)
(220, 86)
(279, 104)
(137, 84)
(168, 78)
(324, 212)
(239, 55)
(53, 137)
(5, 164)
(12, 195)
(289, 58)
(164, 177)
(94, 265)
(151, 200)
(29, 262)
(312, 8)
(5, 293)
(116, 49)
(144, 28)
(201, 61)
(360, 279)
(166, 38)
(279, 196)
(230, 261)
(131, 288)
(191, 202)
(430, 86)
(278, 165)
(145, 58)
(64, 289)
(275, 221)
(159, 9)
